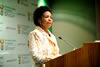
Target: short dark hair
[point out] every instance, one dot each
(38, 14)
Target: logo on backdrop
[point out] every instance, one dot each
(18, 28)
(1, 9)
(1, 44)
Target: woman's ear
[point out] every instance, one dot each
(39, 20)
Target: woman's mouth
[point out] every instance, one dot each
(49, 22)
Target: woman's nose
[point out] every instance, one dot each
(50, 19)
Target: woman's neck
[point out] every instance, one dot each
(45, 29)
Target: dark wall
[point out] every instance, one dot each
(98, 19)
(51, 3)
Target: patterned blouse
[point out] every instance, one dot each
(42, 46)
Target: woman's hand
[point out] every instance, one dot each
(47, 59)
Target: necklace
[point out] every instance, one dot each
(49, 35)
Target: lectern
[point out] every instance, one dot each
(86, 56)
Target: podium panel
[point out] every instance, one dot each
(86, 56)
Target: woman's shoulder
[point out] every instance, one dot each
(32, 32)
(36, 31)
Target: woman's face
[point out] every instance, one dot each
(46, 20)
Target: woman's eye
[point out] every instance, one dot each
(46, 16)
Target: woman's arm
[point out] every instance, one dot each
(34, 48)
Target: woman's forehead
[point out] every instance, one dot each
(47, 13)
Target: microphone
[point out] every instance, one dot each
(66, 42)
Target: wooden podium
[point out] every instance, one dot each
(86, 56)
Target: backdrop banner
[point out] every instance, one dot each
(15, 24)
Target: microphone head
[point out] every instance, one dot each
(60, 37)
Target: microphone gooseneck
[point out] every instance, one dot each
(66, 42)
